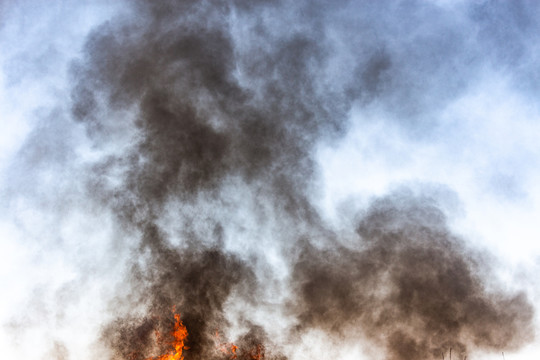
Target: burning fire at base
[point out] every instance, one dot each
(179, 335)
(178, 345)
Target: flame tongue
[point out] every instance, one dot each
(179, 334)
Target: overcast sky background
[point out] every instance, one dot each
(449, 106)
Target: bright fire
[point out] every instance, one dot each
(180, 335)
(178, 345)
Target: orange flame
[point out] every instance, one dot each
(180, 335)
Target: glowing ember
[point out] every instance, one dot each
(257, 353)
(231, 350)
(226, 348)
(179, 334)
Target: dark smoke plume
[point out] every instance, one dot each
(188, 99)
(201, 108)
(195, 281)
(409, 284)
(194, 111)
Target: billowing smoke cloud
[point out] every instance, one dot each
(204, 118)
(204, 107)
(205, 110)
(409, 284)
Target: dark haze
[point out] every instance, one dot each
(409, 284)
(188, 99)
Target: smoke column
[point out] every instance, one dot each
(178, 163)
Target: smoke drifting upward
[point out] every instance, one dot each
(409, 284)
(193, 107)
(178, 68)
(205, 119)
(196, 281)
(196, 110)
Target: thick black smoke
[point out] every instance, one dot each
(195, 112)
(201, 107)
(188, 99)
(409, 284)
(194, 281)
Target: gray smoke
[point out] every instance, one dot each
(409, 284)
(207, 115)
(196, 125)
